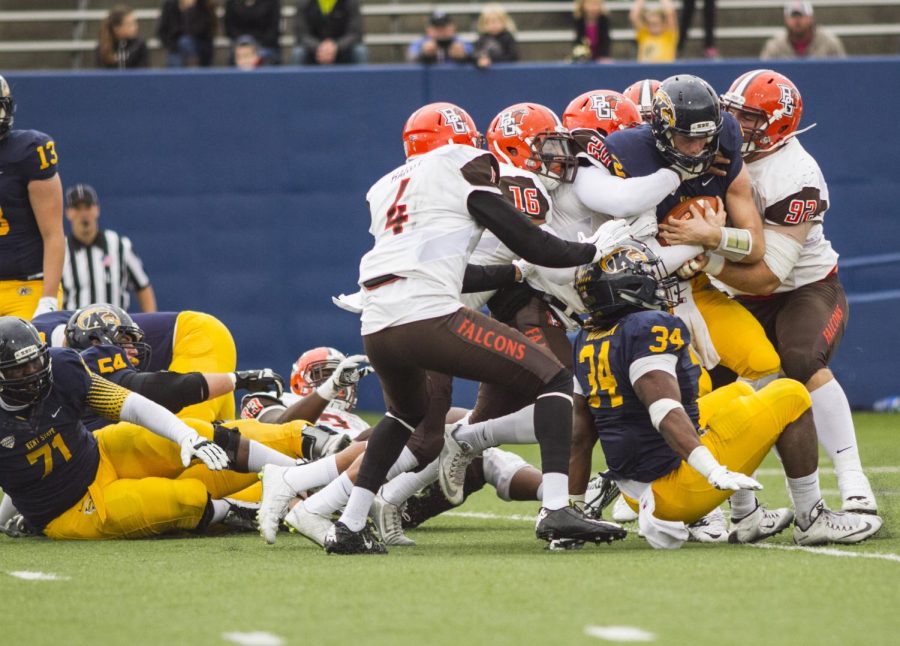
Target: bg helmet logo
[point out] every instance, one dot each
(508, 124)
(601, 107)
(453, 119)
(787, 101)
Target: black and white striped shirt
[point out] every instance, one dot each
(101, 272)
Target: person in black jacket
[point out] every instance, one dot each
(186, 29)
(496, 37)
(119, 44)
(329, 32)
(260, 19)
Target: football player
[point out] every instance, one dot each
(32, 243)
(795, 292)
(68, 483)
(675, 456)
(427, 215)
(641, 93)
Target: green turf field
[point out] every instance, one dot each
(472, 579)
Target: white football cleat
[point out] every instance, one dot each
(277, 495)
(856, 493)
(712, 528)
(836, 527)
(307, 524)
(455, 458)
(760, 524)
(622, 513)
(389, 523)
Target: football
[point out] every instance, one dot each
(681, 211)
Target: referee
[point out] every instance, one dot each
(100, 264)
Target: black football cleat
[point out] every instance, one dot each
(340, 539)
(241, 516)
(570, 523)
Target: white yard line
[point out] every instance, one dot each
(38, 576)
(829, 551)
(619, 633)
(258, 638)
(830, 471)
(483, 515)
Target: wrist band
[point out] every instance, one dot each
(735, 244)
(660, 408)
(702, 460)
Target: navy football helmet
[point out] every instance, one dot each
(7, 107)
(25, 376)
(104, 324)
(629, 279)
(686, 105)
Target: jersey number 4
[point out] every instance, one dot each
(397, 214)
(600, 377)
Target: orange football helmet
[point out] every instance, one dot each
(437, 124)
(769, 107)
(530, 136)
(641, 94)
(313, 368)
(603, 110)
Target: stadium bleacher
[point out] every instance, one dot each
(62, 34)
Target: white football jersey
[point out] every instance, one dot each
(333, 418)
(423, 233)
(789, 189)
(527, 193)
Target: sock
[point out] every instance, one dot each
(357, 509)
(406, 484)
(834, 426)
(515, 428)
(220, 508)
(406, 461)
(553, 428)
(805, 494)
(7, 510)
(260, 455)
(331, 497)
(312, 474)
(384, 447)
(555, 490)
(540, 491)
(742, 503)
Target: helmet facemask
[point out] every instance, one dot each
(7, 108)
(553, 158)
(26, 380)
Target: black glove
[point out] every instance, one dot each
(259, 380)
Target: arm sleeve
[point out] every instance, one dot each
(483, 278)
(171, 390)
(673, 256)
(524, 239)
(618, 197)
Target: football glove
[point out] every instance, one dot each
(17, 527)
(348, 372)
(212, 455)
(46, 304)
(607, 237)
(721, 478)
(256, 380)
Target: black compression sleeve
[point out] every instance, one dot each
(172, 390)
(483, 278)
(533, 244)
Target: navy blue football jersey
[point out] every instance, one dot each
(25, 155)
(47, 456)
(46, 323)
(159, 332)
(110, 362)
(634, 450)
(633, 153)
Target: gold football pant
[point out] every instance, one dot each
(20, 297)
(737, 336)
(743, 427)
(202, 343)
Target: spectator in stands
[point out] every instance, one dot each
(802, 38)
(656, 31)
(100, 265)
(329, 32)
(260, 19)
(246, 53)
(119, 44)
(496, 37)
(186, 29)
(592, 39)
(440, 44)
(709, 27)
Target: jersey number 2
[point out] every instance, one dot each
(397, 215)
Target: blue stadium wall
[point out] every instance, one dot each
(245, 192)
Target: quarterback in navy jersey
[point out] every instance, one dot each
(677, 457)
(32, 243)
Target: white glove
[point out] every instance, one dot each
(212, 455)
(721, 478)
(348, 372)
(352, 303)
(607, 237)
(46, 304)
(526, 269)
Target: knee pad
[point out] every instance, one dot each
(787, 398)
(762, 360)
(229, 439)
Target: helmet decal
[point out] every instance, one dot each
(453, 119)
